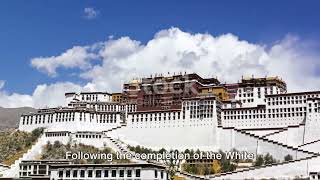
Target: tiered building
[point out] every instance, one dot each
(252, 103)
(186, 111)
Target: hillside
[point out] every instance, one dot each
(13, 144)
(57, 150)
(9, 117)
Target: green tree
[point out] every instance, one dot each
(259, 161)
(226, 164)
(36, 133)
(172, 164)
(288, 157)
(268, 159)
(162, 150)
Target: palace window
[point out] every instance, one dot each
(106, 173)
(114, 173)
(129, 173)
(138, 173)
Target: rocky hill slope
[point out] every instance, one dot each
(9, 117)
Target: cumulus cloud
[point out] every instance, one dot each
(43, 96)
(173, 50)
(75, 57)
(224, 56)
(90, 13)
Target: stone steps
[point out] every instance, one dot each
(221, 175)
(271, 141)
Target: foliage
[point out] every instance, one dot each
(264, 160)
(140, 150)
(173, 164)
(223, 165)
(288, 157)
(259, 161)
(57, 150)
(268, 159)
(226, 164)
(217, 166)
(13, 144)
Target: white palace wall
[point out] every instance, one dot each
(284, 171)
(206, 137)
(95, 139)
(261, 132)
(174, 134)
(293, 136)
(73, 121)
(189, 128)
(312, 147)
(313, 121)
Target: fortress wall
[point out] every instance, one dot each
(292, 137)
(312, 132)
(72, 126)
(170, 136)
(98, 142)
(261, 132)
(296, 136)
(61, 139)
(83, 126)
(243, 142)
(299, 168)
(313, 147)
(203, 137)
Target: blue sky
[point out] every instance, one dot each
(33, 28)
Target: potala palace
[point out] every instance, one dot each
(186, 111)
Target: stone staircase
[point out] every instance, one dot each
(308, 143)
(117, 145)
(264, 139)
(226, 175)
(34, 151)
(284, 129)
(114, 144)
(115, 128)
(121, 148)
(222, 175)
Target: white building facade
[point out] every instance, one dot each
(141, 171)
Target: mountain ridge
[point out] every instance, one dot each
(9, 117)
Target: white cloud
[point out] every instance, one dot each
(173, 50)
(43, 96)
(90, 13)
(74, 57)
(2, 83)
(225, 56)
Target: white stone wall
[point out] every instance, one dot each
(312, 147)
(292, 137)
(71, 121)
(95, 139)
(145, 173)
(229, 139)
(261, 132)
(280, 111)
(284, 171)
(312, 132)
